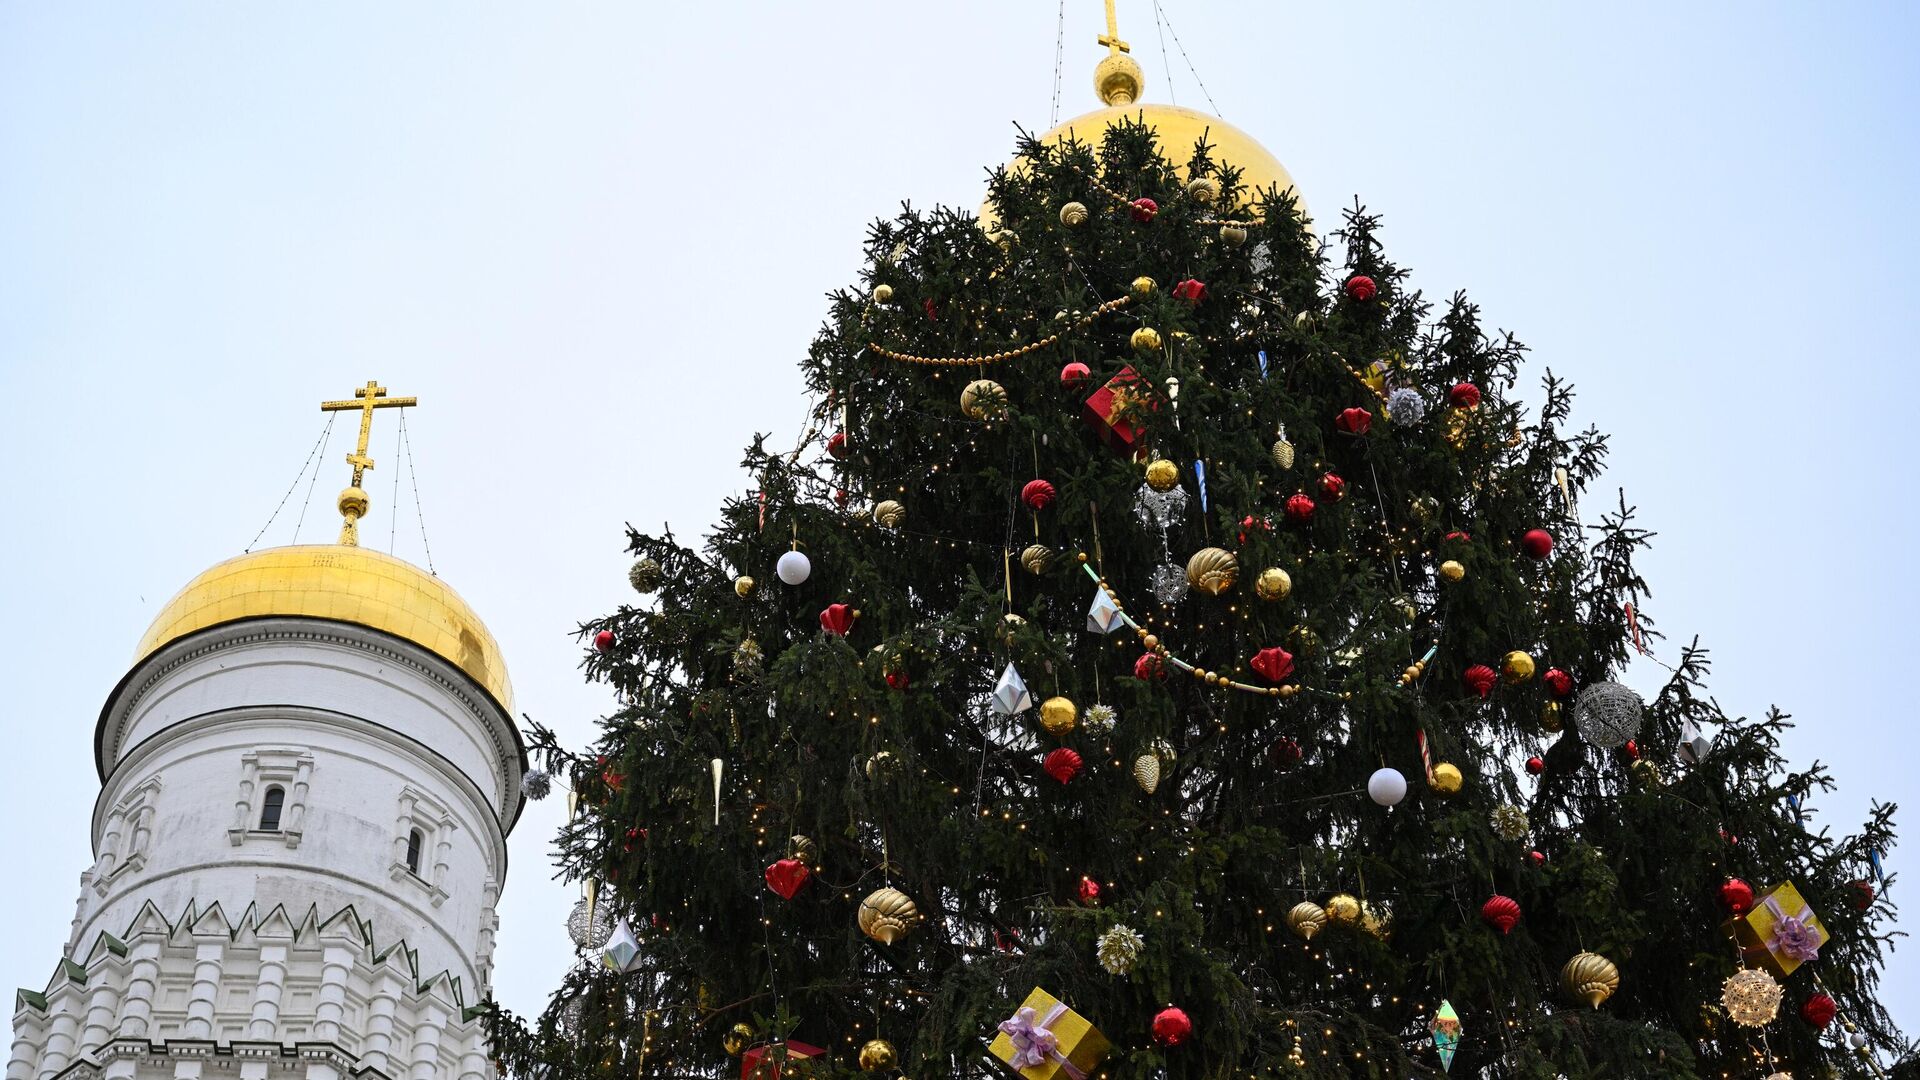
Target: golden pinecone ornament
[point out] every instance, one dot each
(737, 1039)
(1590, 977)
(743, 586)
(1036, 558)
(1146, 772)
(1232, 235)
(1516, 667)
(887, 914)
(889, 513)
(1073, 213)
(983, 399)
(1143, 287)
(1446, 780)
(1452, 570)
(1162, 474)
(1283, 454)
(1058, 715)
(1273, 584)
(878, 1056)
(1204, 190)
(882, 293)
(1213, 570)
(1306, 919)
(1146, 340)
(1550, 717)
(1343, 910)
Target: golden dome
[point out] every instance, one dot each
(346, 584)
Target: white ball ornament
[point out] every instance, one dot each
(793, 568)
(1387, 787)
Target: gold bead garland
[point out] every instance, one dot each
(1010, 354)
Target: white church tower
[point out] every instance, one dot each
(307, 780)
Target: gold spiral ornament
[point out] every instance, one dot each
(1590, 977)
(1213, 570)
(887, 914)
(1306, 919)
(1073, 213)
(889, 513)
(1036, 558)
(983, 399)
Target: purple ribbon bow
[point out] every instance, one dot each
(1795, 937)
(1033, 1044)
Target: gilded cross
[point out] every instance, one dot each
(353, 501)
(1111, 39)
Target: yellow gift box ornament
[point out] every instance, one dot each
(1781, 932)
(1045, 1040)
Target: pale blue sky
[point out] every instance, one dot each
(593, 240)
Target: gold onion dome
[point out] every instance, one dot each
(345, 584)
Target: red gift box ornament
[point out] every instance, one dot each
(1191, 290)
(1299, 509)
(1114, 408)
(1464, 395)
(837, 619)
(1143, 209)
(1062, 764)
(1037, 494)
(787, 877)
(1500, 912)
(1171, 1027)
(1354, 421)
(1361, 287)
(1273, 663)
(1480, 679)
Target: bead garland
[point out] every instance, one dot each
(1153, 645)
(1011, 354)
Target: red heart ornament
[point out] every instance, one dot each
(787, 877)
(1354, 421)
(1273, 663)
(837, 619)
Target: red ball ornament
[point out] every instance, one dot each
(1632, 750)
(1464, 395)
(1862, 891)
(897, 680)
(837, 446)
(1089, 891)
(1536, 765)
(1273, 663)
(1361, 287)
(1149, 666)
(787, 877)
(1299, 509)
(1537, 858)
(1062, 764)
(1736, 896)
(1191, 290)
(1500, 912)
(1284, 753)
(1038, 494)
(1558, 682)
(1818, 1010)
(1354, 421)
(1143, 209)
(840, 497)
(1074, 374)
(1480, 679)
(1171, 1027)
(837, 619)
(1333, 487)
(1537, 543)
(1250, 524)
(603, 641)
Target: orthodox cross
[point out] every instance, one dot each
(1111, 39)
(353, 501)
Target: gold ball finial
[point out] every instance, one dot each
(1118, 79)
(353, 502)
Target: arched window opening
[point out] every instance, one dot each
(270, 805)
(413, 852)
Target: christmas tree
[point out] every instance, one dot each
(1173, 650)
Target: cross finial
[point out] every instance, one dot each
(353, 501)
(1111, 39)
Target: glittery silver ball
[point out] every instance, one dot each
(1607, 714)
(536, 785)
(1168, 583)
(1405, 406)
(1159, 509)
(589, 925)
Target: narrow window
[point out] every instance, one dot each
(413, 852)
(270, 804)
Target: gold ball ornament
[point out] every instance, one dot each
(1036, 558)
(1162, 474)
(1143, 287)
(1343, 910)
(1647, 771)
(1204, 190)
(1376, 921)
(1213, 570)
(1452, 570)
(1273, 584)
(887, 914)
(1073, 213)
(882, 293)
(1516, 667)
(1145, 340)
(1283, 454)
(1059, 716)
(1446, 780)
(736, 1039)
(1233, 235)
(1550, 720)
(983, 399)
(889, 513)
(1590, 977)
(878, 1056)
(352, 502)
(1306, 919)
(880, 764)
(743, 586)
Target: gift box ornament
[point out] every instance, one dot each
(1115, 409)
(763, 1062)
(1045, 1040)
(1780, 932)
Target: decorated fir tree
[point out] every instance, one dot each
(1173, 650)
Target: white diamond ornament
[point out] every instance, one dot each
(1694, 744)
(1010, 695)
(1102, 616)
(621, 949)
